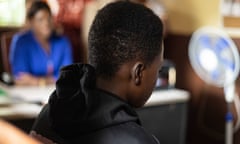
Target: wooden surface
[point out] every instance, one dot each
(231, 21)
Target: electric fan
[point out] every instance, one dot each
(215, 59)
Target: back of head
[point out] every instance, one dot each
(121, 32)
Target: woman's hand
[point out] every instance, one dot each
(28, 79)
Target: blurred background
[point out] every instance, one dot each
(206, 107)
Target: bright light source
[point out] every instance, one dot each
(208, 59)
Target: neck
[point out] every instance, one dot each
(40, 38)
(119, 84)
(113, 86)
(43, 42)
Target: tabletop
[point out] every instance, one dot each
(27, 102)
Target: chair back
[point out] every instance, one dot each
(5, 40)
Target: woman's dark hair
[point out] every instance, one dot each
(36, 7)
(121, 32)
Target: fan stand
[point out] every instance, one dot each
(228, 83)
(229, 91)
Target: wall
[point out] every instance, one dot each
(185, 16)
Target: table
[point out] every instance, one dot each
(165, 115)
(25, 102)
(163, 108)
(167, 96)
(19, 102)
(20, 105)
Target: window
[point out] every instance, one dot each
(12, 13)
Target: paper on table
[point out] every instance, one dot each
(23, 110)
(160, 97)
(30, 93)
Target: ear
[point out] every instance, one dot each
(137, 73)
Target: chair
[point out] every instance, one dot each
(5, 41)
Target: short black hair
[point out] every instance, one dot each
(123, 31)
(36, 6)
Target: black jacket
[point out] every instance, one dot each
(79, 113)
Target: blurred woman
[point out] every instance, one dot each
(37, 55)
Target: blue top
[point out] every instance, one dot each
(27, 55)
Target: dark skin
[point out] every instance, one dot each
(41, 25)
(134, 82)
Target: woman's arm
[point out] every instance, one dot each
(19, 58)
(18, 55)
